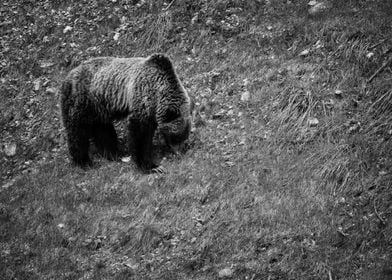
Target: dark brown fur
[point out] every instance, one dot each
(146, 90)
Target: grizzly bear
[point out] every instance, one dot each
(145, 90)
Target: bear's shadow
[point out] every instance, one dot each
(159, 147)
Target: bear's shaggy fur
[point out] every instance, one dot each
(103, 89)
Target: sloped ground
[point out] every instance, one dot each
(287, 176)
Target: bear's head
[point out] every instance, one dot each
(176, 126)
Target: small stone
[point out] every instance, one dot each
(370, 54)
(9, 184)
(51, 90)
(338, 93)
(37, 85)
(10, 149)
(116, 36)
(46, 64)
(195, 19)
(72, 239)
(131, 264)
(126, 159)
(245, 96)
(67, 29)
(313, 122)
(304, 52)
(318, 8)
(246, 82)
(219, 115)
(226, 272)
(61, 225)
(319, 44)
(355, 127)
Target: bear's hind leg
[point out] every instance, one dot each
(105, 139)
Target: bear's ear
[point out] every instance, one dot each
(170, 115)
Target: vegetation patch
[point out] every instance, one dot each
(286, 175)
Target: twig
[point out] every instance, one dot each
(378, 100)
(385, 64)
(375, 211)
(377, 44)
(168, 6)
(330, 275)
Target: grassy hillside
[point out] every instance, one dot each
(287, 174)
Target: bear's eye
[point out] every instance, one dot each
(170, 115)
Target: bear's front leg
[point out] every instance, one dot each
(140, 136)
(78, 144)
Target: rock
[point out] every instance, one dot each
(370, 54)
(37, 84)
(318, 44)
(67, 29)
(313, 122)
(318, 7)
(126, 159)
(219, 115)
(304, 52)
(9, 184)
(226, 272)
(245, 96)
(195, 19)
(51, 90)
(46, 64)
(355, 127)
(10, 149)
(132, 264)
(338, 93)
(246, 83)
(116, 36)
